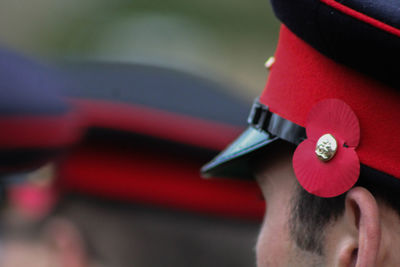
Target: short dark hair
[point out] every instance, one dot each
(311, 214)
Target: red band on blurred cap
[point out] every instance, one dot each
(147, 177)
(47, 131)
(301, 77)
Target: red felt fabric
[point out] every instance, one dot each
(335, 117)
(301, 77)
(325, 179)
(360, 16)
(157, 123)
(338, 175)
(50, 131)
(145, 176)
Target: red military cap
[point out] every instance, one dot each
(150, 130)
(35, 122)
(333, 91)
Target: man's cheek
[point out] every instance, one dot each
(268, 247)
(261, 256)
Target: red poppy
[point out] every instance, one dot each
(326, 163)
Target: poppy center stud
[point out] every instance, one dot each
(326, 147)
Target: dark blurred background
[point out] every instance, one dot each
(227, 40)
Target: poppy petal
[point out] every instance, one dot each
(335, 117)
(325, 179)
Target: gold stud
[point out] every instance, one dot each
(326, 147)
(270, 61)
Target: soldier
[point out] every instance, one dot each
(323, 137)
(130, 194)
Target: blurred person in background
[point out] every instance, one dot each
(130, 193)
(323, 141)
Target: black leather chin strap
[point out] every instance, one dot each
(262, 119)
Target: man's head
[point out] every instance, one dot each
(358, 228)
(321, 138)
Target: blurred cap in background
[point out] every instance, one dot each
(132, 190)
(36, 122)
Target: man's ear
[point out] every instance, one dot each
(359, 237)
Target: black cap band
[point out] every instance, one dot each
(261, 118)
